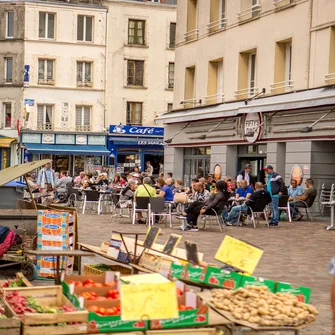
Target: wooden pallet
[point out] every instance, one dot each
(35, 323)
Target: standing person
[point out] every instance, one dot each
(149, 169)
(61, 185)
(275, 186)
(47, 183)
(244, 175)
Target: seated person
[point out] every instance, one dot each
(102, 180)
(170, 182)
(80, 179)
(61, 186)
(231, 186)
(200, 194)
(128, 192)
(144, 190)
(32, 184)
(193, 182)
(178, 186)
(205, 182)
(259, 193)
(165, 191)
(216, 202)
(244, 191)
(302, 200)
(294, 190)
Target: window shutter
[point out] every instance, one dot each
(88, 72)
(41, 69)
(78, 115)
(89, 30)
(139, 73)
(80, 71)
(40, 114)
(87, 116)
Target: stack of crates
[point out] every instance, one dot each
(55, 231)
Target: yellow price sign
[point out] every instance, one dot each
(149, 301)
(238, 254)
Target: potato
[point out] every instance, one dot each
(237, 315)
(312, 309)
(254, 312)
(246, 316)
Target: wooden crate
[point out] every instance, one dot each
(193, 331)
(35, 323)
(89, 270)
(25, 281)
(11, 325)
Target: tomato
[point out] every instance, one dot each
(88, 285)
(110, 284)
(182, 307)
(109, 311)
(78, 284)
(88, 281)
(101, 310)
(93, 308)
(71, 282)
(179, 292)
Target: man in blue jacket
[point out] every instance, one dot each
(275, 186)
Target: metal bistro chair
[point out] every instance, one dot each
(157, 207)
(216, 216)
(284, 205)
(327, 198)
(141, 205)
(261, 207)
(91, 197)
(74, 198)
(118, 206)
(303, 205)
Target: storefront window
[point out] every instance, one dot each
(128, 162)
(61, 163)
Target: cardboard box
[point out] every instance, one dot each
(149, 261)
(303, 294)
(46, 265)
(254, 281)
(178, 271)
(195, 273)
(197, 316)
(222, 278)
(110, 323)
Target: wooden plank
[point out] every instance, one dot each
(25, 281)
(43, 318)
(11, 331)
(11, 321)
(55, 330)
(192, 331)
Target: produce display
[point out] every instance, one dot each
(256, 305)
(105, 311)
(110, 295)
(18, 282)
(2, 313)
(22, 304)
(91, 283)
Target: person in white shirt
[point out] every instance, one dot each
(149, 169)
(244, 175)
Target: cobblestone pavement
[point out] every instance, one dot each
(297, 253)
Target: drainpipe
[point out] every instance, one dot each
(310, 17)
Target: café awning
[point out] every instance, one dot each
(6, 141)
(59, 149)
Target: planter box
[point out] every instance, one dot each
(44, 323)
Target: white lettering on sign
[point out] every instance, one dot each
(143, 131)
(252, 127)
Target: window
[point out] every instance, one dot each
(44, 117)
(84, 73)
(135, 72)
(215, 82)
(191, 24)
(134, 113)
(283, 68)
(85, 28)
(45, 71)
(7, 115)
(8, 69)
(249, 9)
(169, 108)
(171, 75)
(10, 24)
(46, 25)
(252, 67)
(247, 75)
(83, 118)
(189, 93)
(172, 41)
(136, 30)
(217, 15)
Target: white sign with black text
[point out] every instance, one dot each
(253, 127)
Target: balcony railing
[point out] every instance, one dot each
(191, 102)
(249, 13)
(217, 25)
(191, 35)
(83, 128)
(330, 77)
(46, 82)
(284, 86)
(45, 126)
(281, 3)
(214, 98)
(84, 83)
(246, 92)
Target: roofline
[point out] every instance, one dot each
(149, 5)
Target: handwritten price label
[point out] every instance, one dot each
(238, 254)
(149, 301)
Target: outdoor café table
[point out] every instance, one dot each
(58, 254)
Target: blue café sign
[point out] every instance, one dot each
(136, 130)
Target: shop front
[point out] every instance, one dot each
(292, 132)
(133, 146)
(69, 152)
